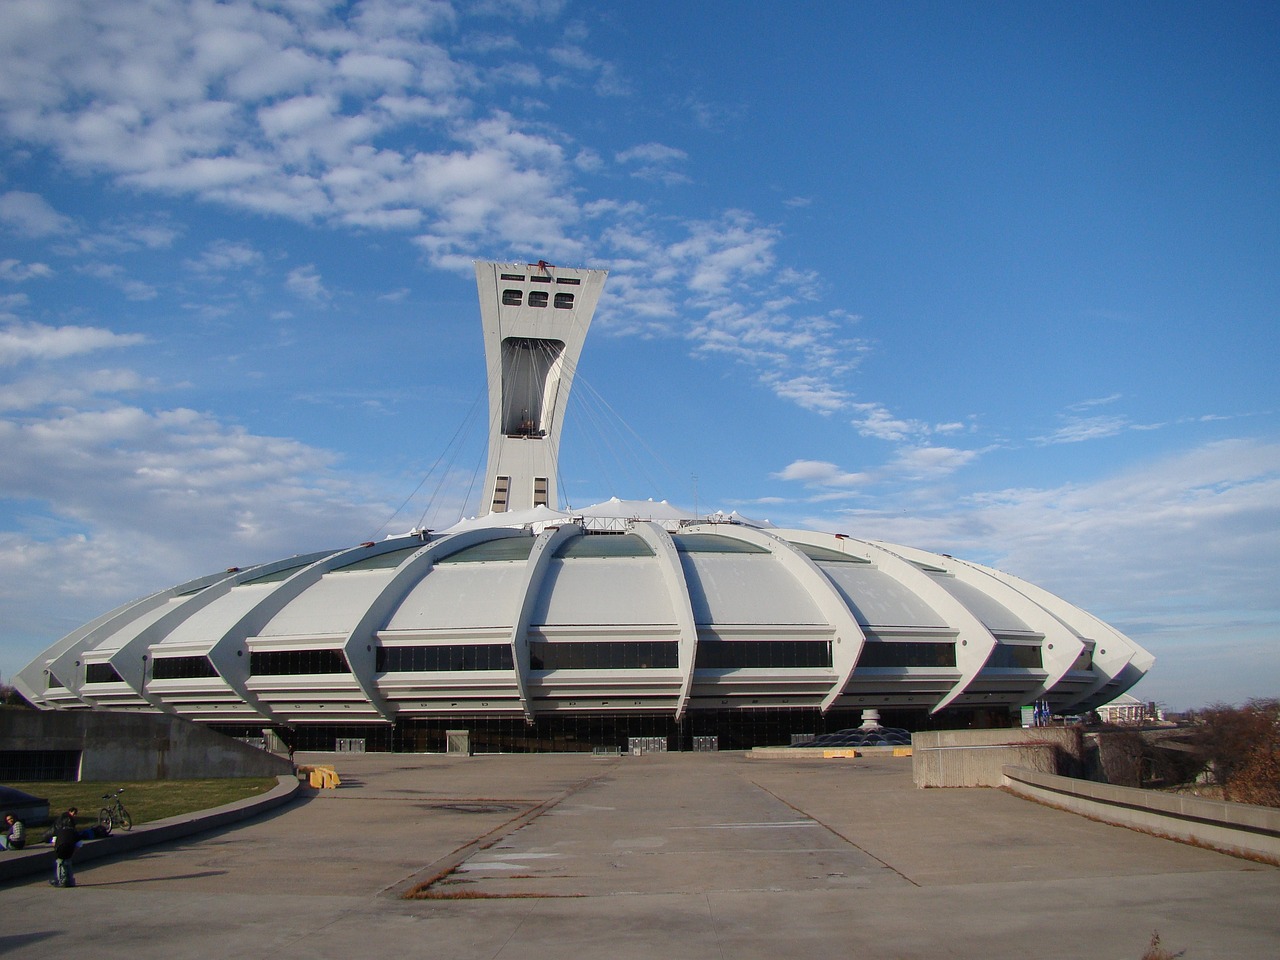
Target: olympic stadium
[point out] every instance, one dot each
(531, 627)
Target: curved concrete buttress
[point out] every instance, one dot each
(535, 571)
(664, 549)
(974, 642)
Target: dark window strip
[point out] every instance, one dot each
(741, 654)
(181, 668)
(485, 656)
(907, 654)
(297, 662)
(604, 655)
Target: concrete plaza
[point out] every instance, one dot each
(673, 856)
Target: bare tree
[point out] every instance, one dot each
(1242, 746)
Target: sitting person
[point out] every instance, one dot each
(14, 836)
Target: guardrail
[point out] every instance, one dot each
(1241, 829)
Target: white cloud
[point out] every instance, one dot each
(30, 215)
(120, 502)
(305, 282)
(653, 161)
(364, 118)
(820, 473)
(39, 391)
(1080, 429)
(20, 342)
(1095, 402)
(875, 420)
(15, 271)
(929, 462)
(810, 392)
(222, 256)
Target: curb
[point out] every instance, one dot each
(39, 858)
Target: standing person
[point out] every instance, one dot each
(65, 840)
(15, 833)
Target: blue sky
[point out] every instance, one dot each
(993, 279)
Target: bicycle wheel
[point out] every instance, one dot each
(126, 821)
(104, 820)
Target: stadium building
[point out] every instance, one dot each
(536, 628)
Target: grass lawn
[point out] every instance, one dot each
(145, 800)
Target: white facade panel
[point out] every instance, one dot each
(207, 625)
(745, 588)
(994, 615)
(878, 600)
(101, 650)
(613, 590)
(332, 605)
(461, 595)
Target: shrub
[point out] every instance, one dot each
(1242, 747)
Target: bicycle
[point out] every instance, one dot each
(114, 814)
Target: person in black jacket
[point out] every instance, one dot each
(65, 840)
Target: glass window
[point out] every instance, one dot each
(538, 298)
(608, 655)
(101, 673)
(513, 276)
(1008, 656)
(909, 654)
(181, 668)
(824, 553)
(483, 656)
(604, 545)
(512, 298)
(503, 548)
(294, 663)
(276, 577)
(762, 654)
(564, 301)
(382, 561)
(713, 543)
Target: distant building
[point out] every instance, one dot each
(1128, 709)
(534, 627)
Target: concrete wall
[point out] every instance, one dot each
(1238, 828)
(977, 758)
(135, 746)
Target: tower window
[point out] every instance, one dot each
(512, 298)
(539, 491)
(513, 276)
(564, 301)
(501, 488)
(537, 298)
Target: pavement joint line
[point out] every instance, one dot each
(833, 830)
(715, 927)
(443, 866)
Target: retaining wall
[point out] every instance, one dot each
(1238, 828)
(977, 758)
(137, 746)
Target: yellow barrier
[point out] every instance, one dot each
(845, 753)
(902, 751)
(321, 777)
